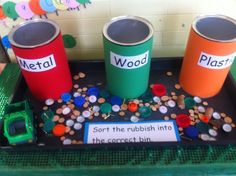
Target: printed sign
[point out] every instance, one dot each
(127, 132)
(215, 62)
(37, 65)
(129, 62)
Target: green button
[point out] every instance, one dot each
(104, 94)
(48, 126)
(69, 41)
(189, 102)
(202, 127)
(47, 115)
(105, 108)
(145, 111)
(147, 96)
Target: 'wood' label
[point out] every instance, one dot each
(215, 62)
(37, 65)
(129, 62)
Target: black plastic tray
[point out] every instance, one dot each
(225, 101)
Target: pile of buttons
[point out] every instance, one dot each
(65, 117)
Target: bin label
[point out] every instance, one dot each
(215, 62)
(129, 62)
(37, 65)
(128, 132)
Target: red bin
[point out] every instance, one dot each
(40, 52)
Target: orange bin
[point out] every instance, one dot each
(210, 52)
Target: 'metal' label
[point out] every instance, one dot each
(215, 62)
(37, 65)
(129, 62)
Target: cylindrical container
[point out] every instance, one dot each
(128, 48)
(39, 51)
(210, 52)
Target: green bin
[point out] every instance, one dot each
(128, 48)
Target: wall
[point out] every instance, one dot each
(171, 20)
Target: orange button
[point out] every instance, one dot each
(132, 107)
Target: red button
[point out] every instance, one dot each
(158, 90)
(183, 120)
(204, 119)
(132, 107)
(59, 130)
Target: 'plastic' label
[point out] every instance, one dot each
(215, 62)
(37, 65)
(129, 62)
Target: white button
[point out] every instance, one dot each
(67, 142)
(216, 115)
(92, 99)
(49, 102)
(115, 108)
(227, 128)
(156, 99)
(78, 126)
(201, 109)
(70, 123)
(205, 137)
(197, 99)
(66, 111)
(80, 119)
(163, 109)
(212, 139)
(96, 108)
(134, 119)
(86, 114)
(212, 132)
(76, 94)
(171, 103)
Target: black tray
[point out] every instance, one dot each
(225, 101)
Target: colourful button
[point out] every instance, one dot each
(92, 99)
(163, 109)
(183, 120)
(191, 132)
(132, 107)
(158, 90)
(189, 102)
(104, 94)
(115, 108)
(59, 130)
(145, 111)
(48, 126)
(202, 127)
(204, 118)
(69, 41)
(79, 101)
(47, 115)
(227, 128)
(93, 91)
(66, 97)
(106, 108)
(147, 96)
(115, 100)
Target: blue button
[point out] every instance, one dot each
(66, 97)
(79, 101)
(191, 132)
(115, 100)
(93, 91)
